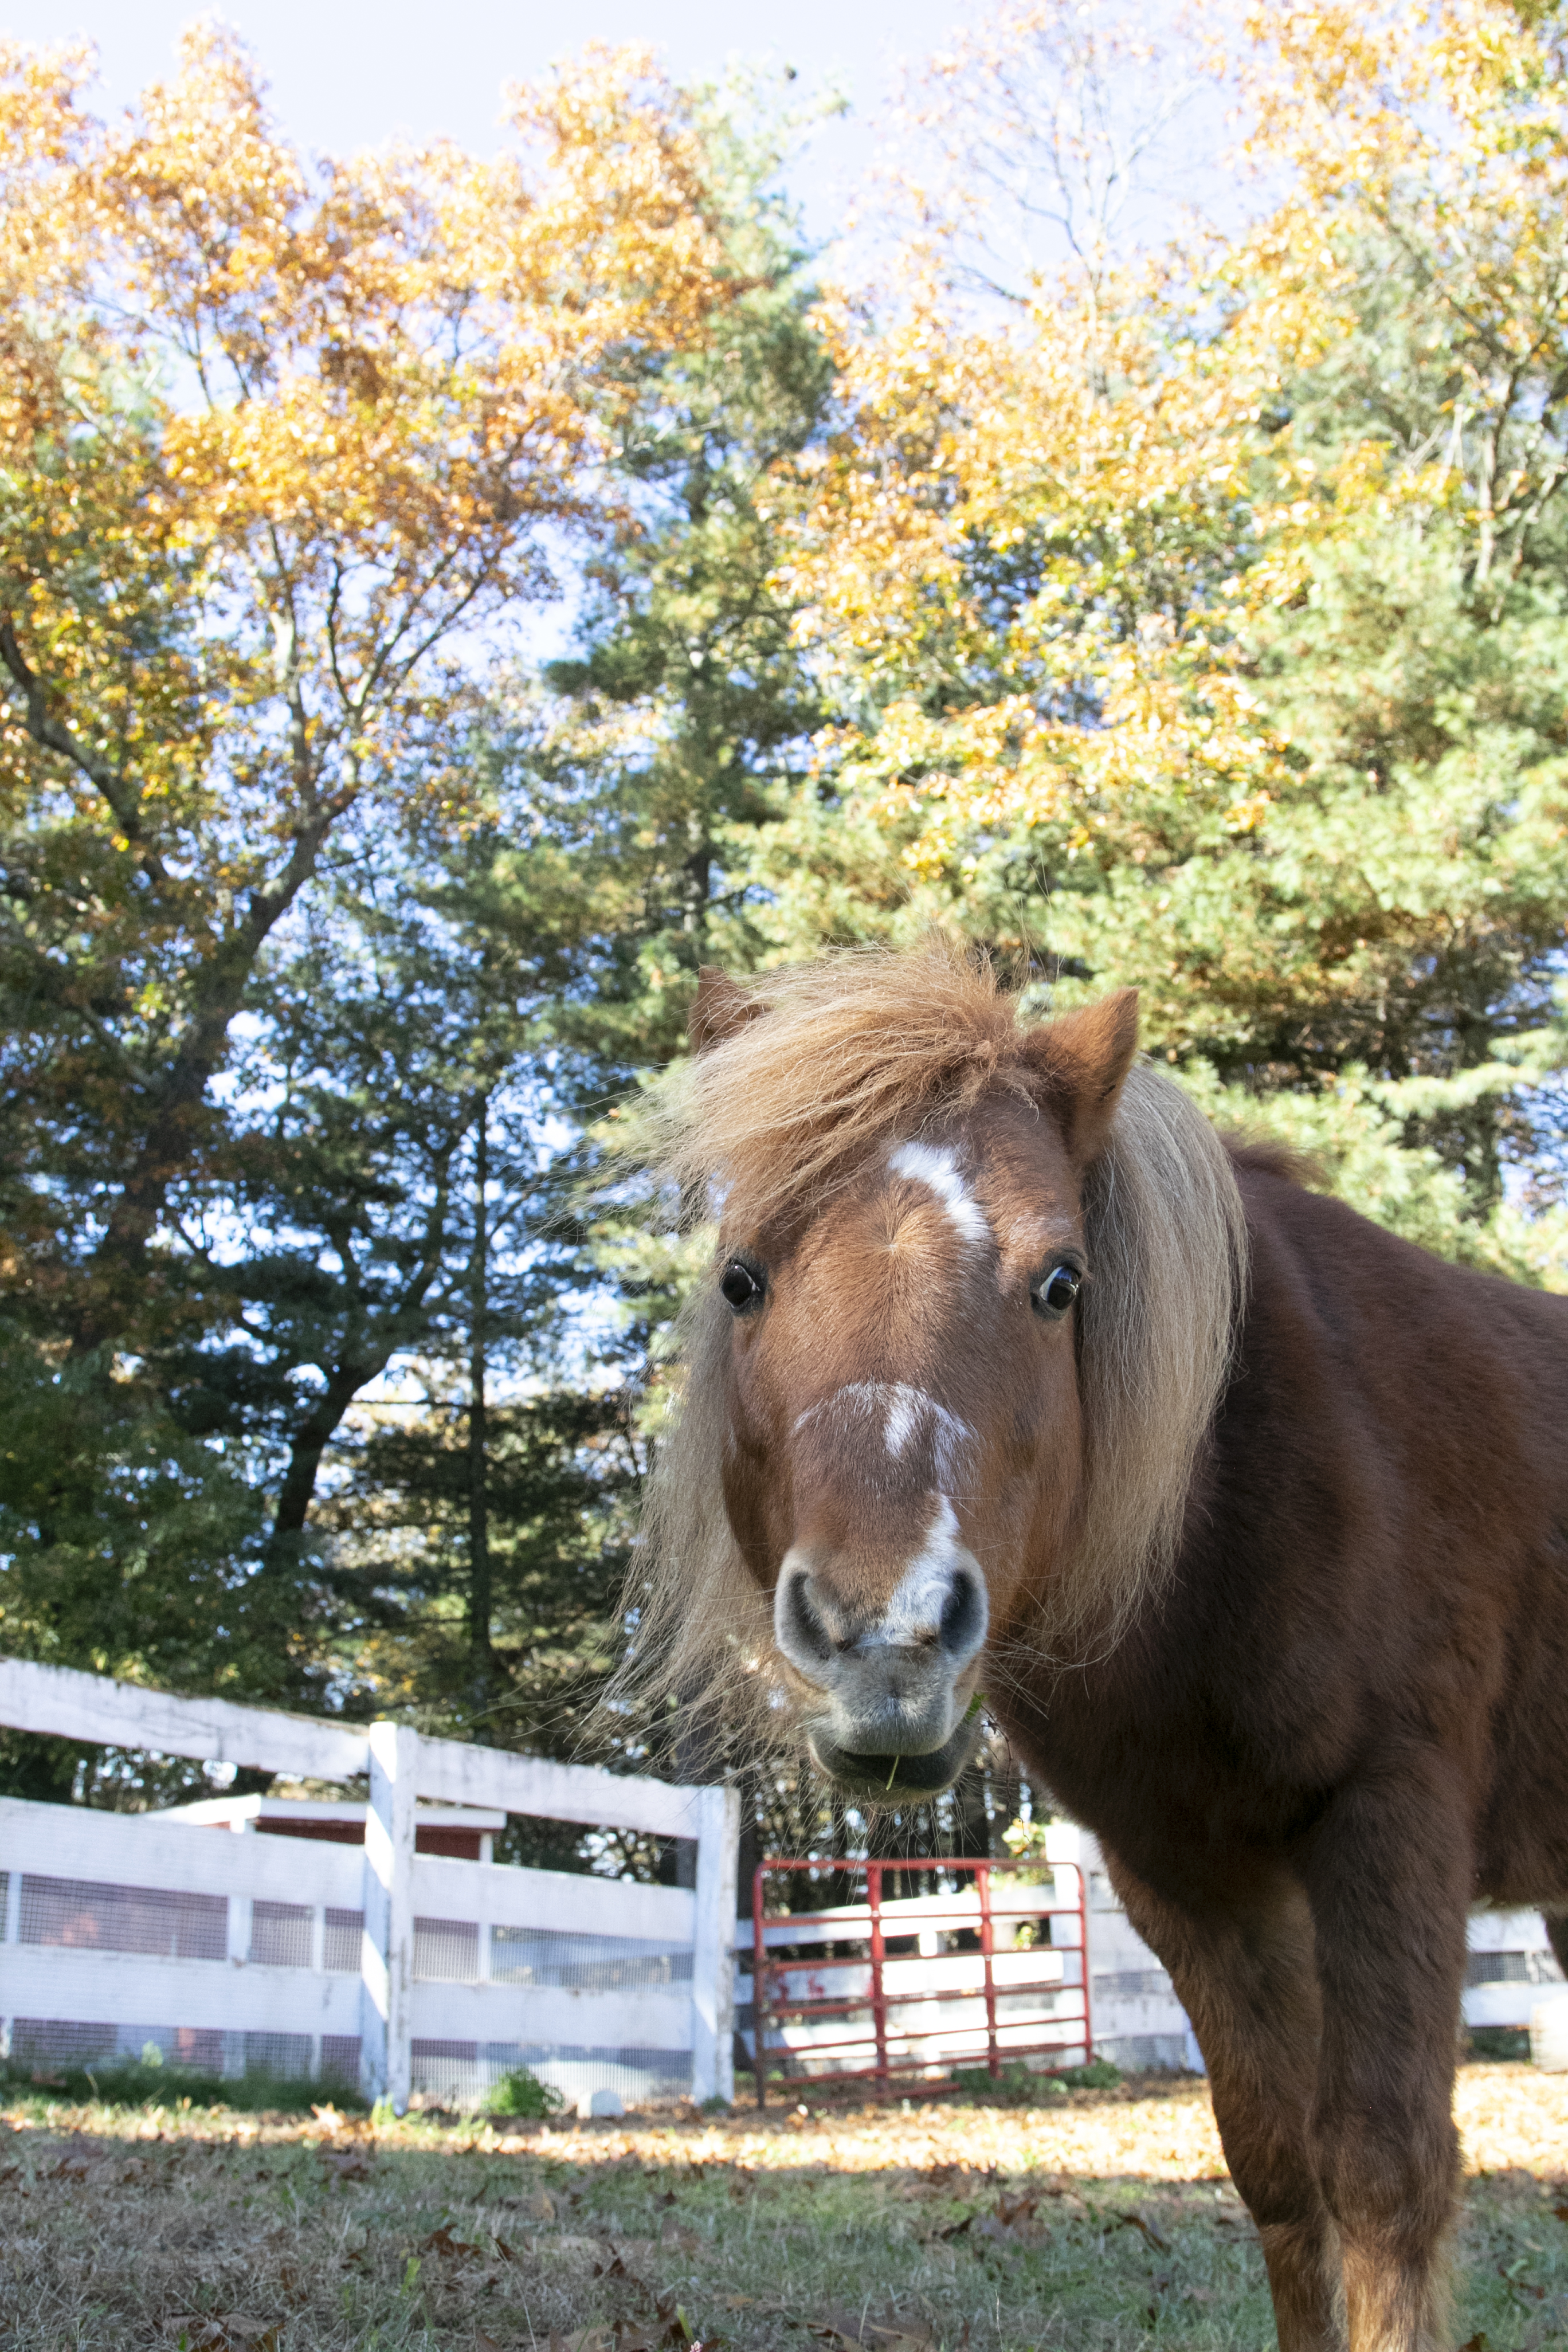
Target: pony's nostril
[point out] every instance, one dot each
(800, 1630)
(962, 1622)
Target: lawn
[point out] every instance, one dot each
(1099, 2220)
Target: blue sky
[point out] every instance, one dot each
(350, 73)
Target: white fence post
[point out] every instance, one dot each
(386, 1962)
(241, 1918)
(13, 1935)
(714, 1944)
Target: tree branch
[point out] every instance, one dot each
(53, 735)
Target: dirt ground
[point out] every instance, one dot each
(1099, 2219)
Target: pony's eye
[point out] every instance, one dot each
(1052, 1293)
(742, 1284)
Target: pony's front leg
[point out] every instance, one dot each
(1388, 1875)
(1243, 1969)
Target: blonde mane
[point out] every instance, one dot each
(860, 1048)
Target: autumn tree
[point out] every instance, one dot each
(280, 452)
(1205, 616)
(276, 452)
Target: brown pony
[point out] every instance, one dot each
(1249, 1521)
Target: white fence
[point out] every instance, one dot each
(408, 1971)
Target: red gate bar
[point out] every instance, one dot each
(872, 1925)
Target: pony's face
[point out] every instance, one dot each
(903, 1446)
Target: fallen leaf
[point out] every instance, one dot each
(1136, 2221)
(677, 2326)
(1006, 2234)
(483, 2343)
(441, 2241)
(1017, 2208)
(344, 2163)
(233, 2331)
(331, 2119)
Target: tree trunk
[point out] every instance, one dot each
(479, 1591)
(165, 1150)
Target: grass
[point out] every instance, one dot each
(138, 2084)
(1102, 2219)
(1019, 2086)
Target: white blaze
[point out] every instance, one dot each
(903, 1412)
(916, 1602)
(923, 1164)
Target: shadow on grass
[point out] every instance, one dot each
(951, 2225)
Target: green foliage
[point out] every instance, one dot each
(142, 2083)
(1018, 2086)
(1492, 2044)
(521, 2093)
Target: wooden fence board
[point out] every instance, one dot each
(556, 1900)
(72, 1706)
(641, 2017)
(140, 1850)
(53, 1980)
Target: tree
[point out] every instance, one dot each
(276, 452)
(1172, 621)
(272, 453)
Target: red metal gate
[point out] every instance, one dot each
(991, 1979)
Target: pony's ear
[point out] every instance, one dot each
(720, 1008)
(1081, 1060)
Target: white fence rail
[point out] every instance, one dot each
(411, 1971)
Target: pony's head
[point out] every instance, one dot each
(966, 1322)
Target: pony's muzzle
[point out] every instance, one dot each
(888, 1679)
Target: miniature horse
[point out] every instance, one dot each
(1249, 1521)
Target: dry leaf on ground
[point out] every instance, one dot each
(233, 2331)
(1136, 2221)
(441, 2241)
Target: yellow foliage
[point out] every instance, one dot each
(1122, 426)
(278, 446)
(348, 405)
